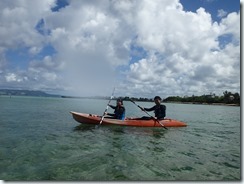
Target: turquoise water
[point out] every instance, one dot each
(41, 141)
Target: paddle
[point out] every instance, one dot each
(148, 113)
(106, 107)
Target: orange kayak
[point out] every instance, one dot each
(95, 119)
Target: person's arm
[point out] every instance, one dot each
(113, 107)
(110, 114)
(149, 109)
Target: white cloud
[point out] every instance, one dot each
(183, 47)
(34, 50)
(222, 13)
(231, 25)
(93, 40)
(17, 22)
(17, 31)
(11, 77)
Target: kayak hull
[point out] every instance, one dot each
(95, 119)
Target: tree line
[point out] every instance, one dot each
(226, 98)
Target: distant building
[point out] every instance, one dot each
(231, 97)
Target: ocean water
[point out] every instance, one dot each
(41, 141)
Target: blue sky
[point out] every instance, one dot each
(143, 48)
(212, 6)
(60, 4)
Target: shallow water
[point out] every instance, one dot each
(41, 141)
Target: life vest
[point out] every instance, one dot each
(119, 113)
(160, 111)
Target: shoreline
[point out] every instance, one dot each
(193, 103)
(198, 103)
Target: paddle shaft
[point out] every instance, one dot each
(148, 113)
(106, 107)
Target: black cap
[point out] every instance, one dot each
(157, 97)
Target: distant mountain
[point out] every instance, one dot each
(13, 92)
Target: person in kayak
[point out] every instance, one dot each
(119, 110)
(159, 109)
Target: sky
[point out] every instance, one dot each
(143, 48)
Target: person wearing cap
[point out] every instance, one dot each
(119, 110)
(159, 109)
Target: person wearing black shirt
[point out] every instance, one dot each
(159, 109)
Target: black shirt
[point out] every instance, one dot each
(159, 110)
(119, 112)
